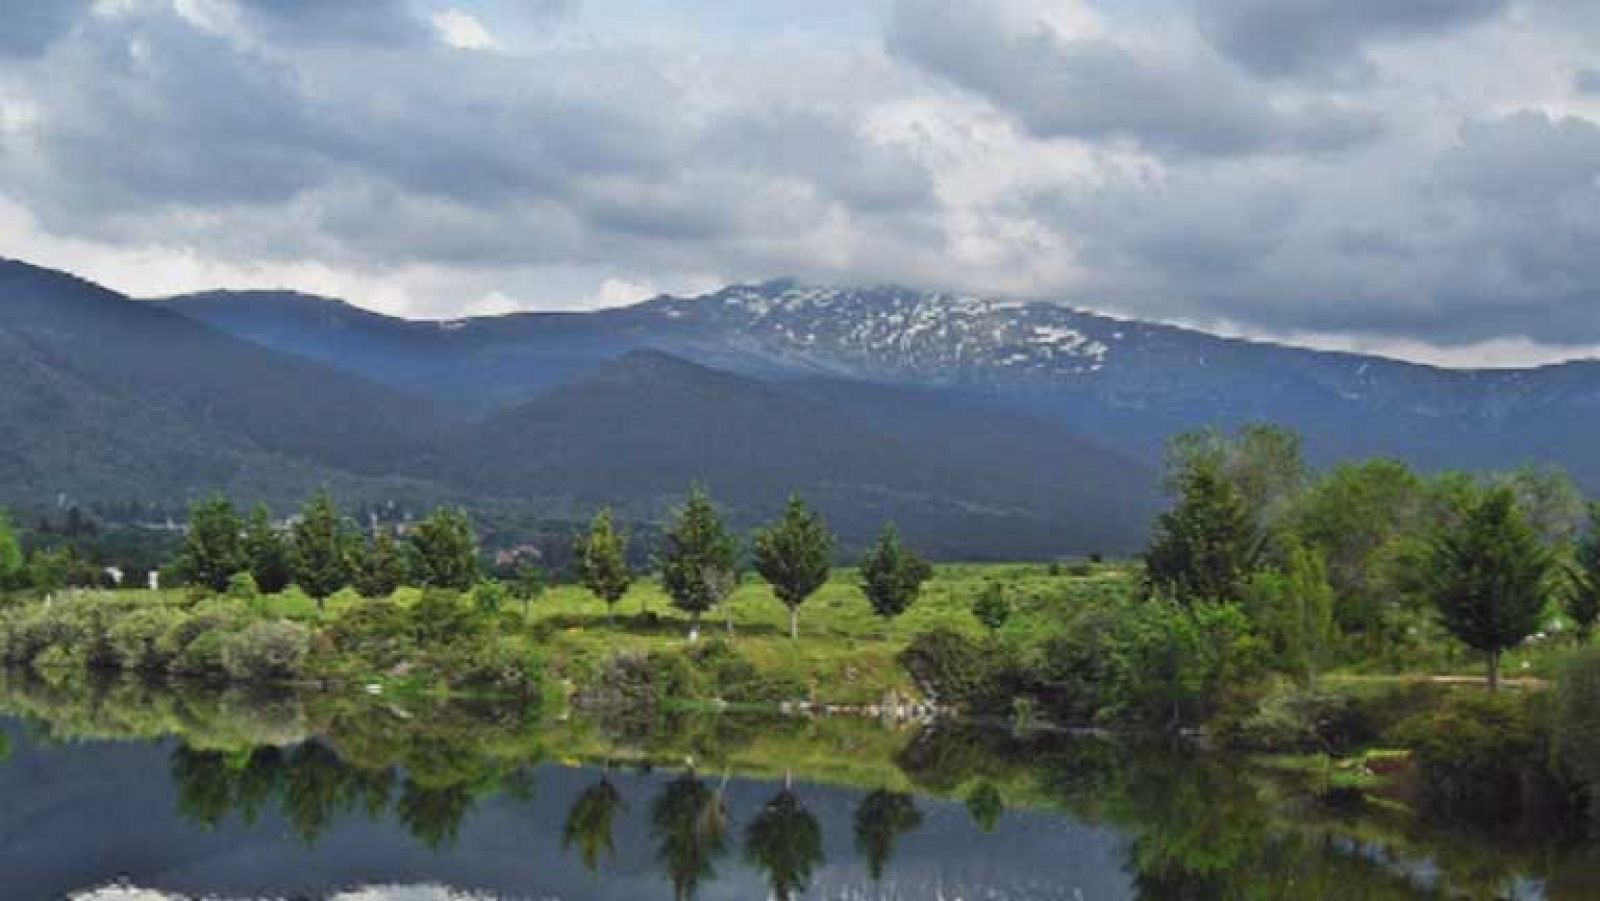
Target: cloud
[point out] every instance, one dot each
(462, 30)
(31, 26)
(1132, 163)
(1169, 100)
(1587, 81)
(1290, 37)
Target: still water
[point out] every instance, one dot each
(131, 792)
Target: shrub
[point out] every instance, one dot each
(242, 587)
(377, 633)
(952, 668)
(634, 681)
(1575, 730)
(497, 666)
(1288, 718)
(201, 656)
(1476, 753)
(137, 639)
(439, 617)
(727, 674)
(266, 651)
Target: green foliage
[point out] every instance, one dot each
(10, 553)
(137, 639)
(1293, 609)
(378, 634)
(439, 618)
(794, 556)
(700, 557)
(1581, 602)
(320, 549)
(528, 586)
(242, 587)
(784, 841)
(1488, 576)
(1263, 464)
(955, 668)
(985, 805)
(689, 823)
(379, 568)
(891, 575)
(992, 608)
(213, 549)
(602, 560)
(444, 551)
(489, 596)
(1474, 753)
(266, 651)
(1205, 547)
(1174, 663)
(1575, 738)
(267, 552)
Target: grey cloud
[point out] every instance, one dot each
(31, 26)
(377, 21)
(1282, 37)
(1095, 89)
(1587, 81)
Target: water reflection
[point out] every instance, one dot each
(296, 796)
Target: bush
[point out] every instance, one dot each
(242, 587)
(266, 651)
(1288, 719)
(201, 656)
(376, 633)
(439, 617)
(1477, 753)
(1575, 730)
(138, 638)
(952, 668)
(496, 666)
(639, 682)
(727, 674)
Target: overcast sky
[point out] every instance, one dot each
(1414, 177)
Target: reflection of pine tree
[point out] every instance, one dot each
(205, 785)
(433, 815)
(589, 823)
(689, 821)
(785, 842)
(881, 818)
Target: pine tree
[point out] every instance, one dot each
(881, 819)
(699, 554)
(267, 552)
(380, 567)
(213, 549)
(785, 842)
(891, 576)
(793, 555)
(1582, 599)
(1206, 546)
(1488, 576)
(10, 553)
(527, 587)
(320, 549)
(602, 557)
(444, 551)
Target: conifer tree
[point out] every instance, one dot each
(320, 549)
(699, 554)
(444, 551)
(793, 555)
(1206, 545)
(267, 552)
(891, 576)
(380, 567)
(1582, 600)
(602, 557)
(213, 548)
(1488, 576)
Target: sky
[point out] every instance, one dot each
(1418, 178)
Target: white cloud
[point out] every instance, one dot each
(463, 31)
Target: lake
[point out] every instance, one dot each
(128, 791)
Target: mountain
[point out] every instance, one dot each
(641, 428)
(1123, 385)
(110, 398)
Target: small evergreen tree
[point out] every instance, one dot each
(213, 548)
(1488, 576)
(320, 549)
(793, 555)
(444, 551)
(602, 557)
(267, 552)
(527, 587)
(489, 597)
(699, 551)
(992, 608)
(1206, 545)
(891, 576)
(380, 567)
(1582, 599)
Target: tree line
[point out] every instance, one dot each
(1367, 557)
(323, 552)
